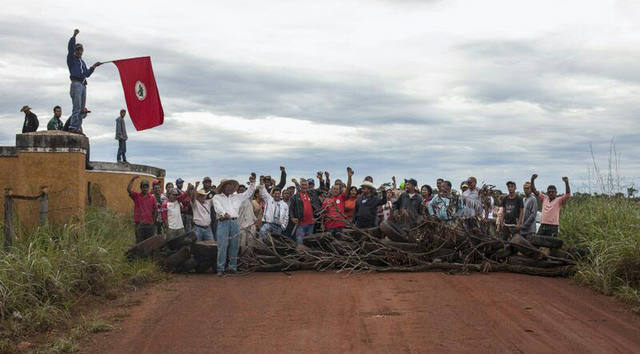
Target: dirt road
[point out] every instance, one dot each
(328, 312)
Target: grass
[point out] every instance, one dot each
(47, 272)
(609, 229)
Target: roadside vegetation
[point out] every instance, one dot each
(608, 229)
(49, 271)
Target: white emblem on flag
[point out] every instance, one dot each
(141, 91)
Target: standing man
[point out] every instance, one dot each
(78, 73)
(185, 201)
(528, 225)
(121, 136)
(202, 208)
(367, 205)
(442, 205)
(471, 198)
(302, 211)
(30, 120)
(55, 123)
(227, 206)
(410, 202)
(144, 210)
(513, 206)
(276, 212)
(551, 205)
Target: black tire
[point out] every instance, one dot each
(545, 241)
(530, 262)
(205, 249)
(523, 245)
(178, 242)
(392, 232)
(503, 253)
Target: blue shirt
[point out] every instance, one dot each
(439, 206)
(77, 68)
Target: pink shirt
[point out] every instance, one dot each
(551, 208)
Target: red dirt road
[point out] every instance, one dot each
(409, 312)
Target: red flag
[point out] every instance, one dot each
(140, 92)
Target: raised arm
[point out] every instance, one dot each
(327, 182)
(321, 182)
(71, 47)
(130, 185)
(533, 184)
(349, 180)
(263, 191)
(567, 188)
(252, 188)
(283, 178)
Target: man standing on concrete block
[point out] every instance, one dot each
(121, 136)
(30, 120)
(55, 123)
(78, 73)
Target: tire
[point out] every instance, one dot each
(178, 242)
(530, 262)
(545, 241)
(503, 253)
(205, 249)
(392, 232)
(523, 245)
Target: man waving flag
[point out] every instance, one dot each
(140, 92)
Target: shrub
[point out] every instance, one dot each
(609, 229)
(46, 272)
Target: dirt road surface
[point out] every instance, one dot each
(387, 313)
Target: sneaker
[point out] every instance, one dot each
(219, 274)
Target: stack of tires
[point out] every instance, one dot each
(182, 254)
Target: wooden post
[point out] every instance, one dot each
(8, 219)
(44, 205)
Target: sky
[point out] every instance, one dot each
(413, 89)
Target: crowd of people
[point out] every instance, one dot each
(238, 215)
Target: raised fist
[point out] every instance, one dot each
(534, 176)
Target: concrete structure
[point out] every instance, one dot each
(57, 160)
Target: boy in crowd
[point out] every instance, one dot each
(171, 215)
(513, 206)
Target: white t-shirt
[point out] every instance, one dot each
(174, 218)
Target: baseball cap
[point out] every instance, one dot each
(179, 180)
(310, 181)
(206, 179)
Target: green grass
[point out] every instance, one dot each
(609, 229)
(46, 273)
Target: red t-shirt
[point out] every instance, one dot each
(307, 216)
(333, 218)
(143, 206)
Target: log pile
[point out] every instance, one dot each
(464, 245)
(461, 246)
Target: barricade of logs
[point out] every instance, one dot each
(463, 245)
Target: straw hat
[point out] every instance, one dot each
(201, 191)
(368, 184)
(224, 182)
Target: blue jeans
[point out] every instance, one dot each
(302, 231)
(271, 228)
(228, 235)
(78, 94)
(122, 149)
(203, 233)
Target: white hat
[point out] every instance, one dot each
(368, 184)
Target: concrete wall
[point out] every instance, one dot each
(57, 160)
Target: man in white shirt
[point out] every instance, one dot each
(227, 208)
(171, 215)
(276, 212)
(201, 207)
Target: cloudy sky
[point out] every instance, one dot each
(423, 89)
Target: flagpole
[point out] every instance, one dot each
(111, 61)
